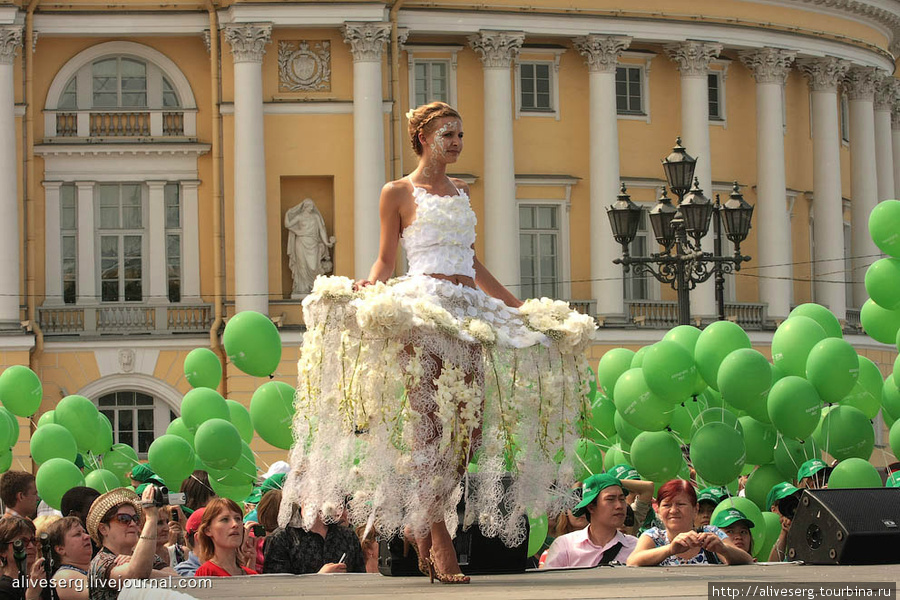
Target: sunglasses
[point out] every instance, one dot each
(126, 519)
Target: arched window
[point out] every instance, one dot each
(119, 82)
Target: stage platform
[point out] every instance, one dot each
(609, 583)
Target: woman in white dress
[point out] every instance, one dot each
(417, 391)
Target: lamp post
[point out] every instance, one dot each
(682, 263)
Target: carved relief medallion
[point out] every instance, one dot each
(304, 66)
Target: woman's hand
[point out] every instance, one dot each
(37, 576)
(334, 568)
(684, 542)
(149, 505)
(711, 542)
(361, 283)
(248, 550)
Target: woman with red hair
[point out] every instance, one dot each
(679, 543)
(222, 542)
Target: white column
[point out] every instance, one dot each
(190, 243)
(10, 250)
(159, 292)
(693, 60)
(88, 289)
(53, 295)
(602, 54)
(860, 86)
(884, 149)
(770, 67)
(367, 45)
(501, 223)
(828, 273)
(251, 263)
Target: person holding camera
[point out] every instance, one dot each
(18, 559)
(71, 551)
(222, 542)
(782, 500)
(114, 522)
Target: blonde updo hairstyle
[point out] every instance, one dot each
(422, 120)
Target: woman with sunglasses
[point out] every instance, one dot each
(115, 524)
(13, 529)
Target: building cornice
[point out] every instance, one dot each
(119, 149)
(881, 14)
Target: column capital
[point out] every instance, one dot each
(248, 41)
(366, 39)
(768, 65)
(496, 49)
(601, 52)
(884, 91)
(10, 42)
(823, 74)
(156, 184)
(85, 185)
(189, 184)
(693, 57)
(860, 83)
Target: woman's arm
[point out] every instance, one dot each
(489, 284)
(643, 489)
(71, 589)
(648, 554)
(392, 195)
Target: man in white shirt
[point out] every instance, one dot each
(601, 542)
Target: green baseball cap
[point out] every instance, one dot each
(593, 485)
(893, 481)
(142, 472)
(810, 468)
(712, 494)
(779, 491)
(624, 471)
(275, 482)
(729, 517)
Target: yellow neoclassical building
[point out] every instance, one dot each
(155, 159)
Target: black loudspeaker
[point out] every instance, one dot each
(846, 527)
(477, 554)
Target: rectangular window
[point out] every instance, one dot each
(68, 224)
(715, 96)
(637, 287)
(119, 83)
(173, 241)
(535, 86)
(431, 81)
(121, 232)
(131, 415)
(539, 250)
(629, 90)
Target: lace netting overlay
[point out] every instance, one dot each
(401, 385)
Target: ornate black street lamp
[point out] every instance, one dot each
(679, 230)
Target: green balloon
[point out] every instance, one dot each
(6, 459)
(537, 534)
(611, 365)
(713, 398)
(792, 342)
(592, 380)
(669, 371)
(172, 458)
(790, 454)
(13, 425)
(880, 323)
(238, 493)
(52, 441)
(716, 415)
(202, 404)
(883, 283)
(120, 459)
(745, 377)
(752, 512)
(638, 359)
(56, 477)
(79, 416)
(20, 390)
(243, 472)
(104, 440)
(884, 227)
(252, 343)
(202, 368)
(894, 438)
(854, 473)
(46, 418)
(888, 419)
(773, 530)
(102, 480)
(760, 483)
(177, 427)
(616, 456)
(272, 413)
(681, 422)
(718, 453)
(588, 459)
(892, 482)
(638, 405)
(845, 433)
(656, 455)
(866, 394)
(218, 443)
(821, 315)
(759, 438)
(240, 418)
(890, 397)
(684, 335)
(794, 407)
(6, 434)
(625, 430)
(716, 342)
(833, 368)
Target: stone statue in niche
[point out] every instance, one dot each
(307, 246)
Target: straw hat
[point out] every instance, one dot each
(106, 502)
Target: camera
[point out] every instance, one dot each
(162, 497)
(258, 531)
(788, 506)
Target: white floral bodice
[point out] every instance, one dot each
(440, 239)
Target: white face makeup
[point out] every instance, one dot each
(445, 144)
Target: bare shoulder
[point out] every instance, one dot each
(397, 192)
(460, 185)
